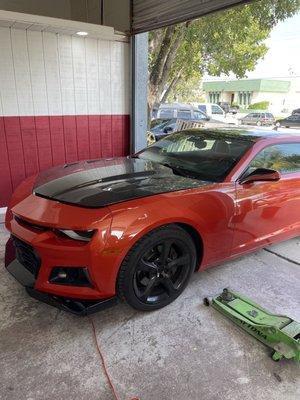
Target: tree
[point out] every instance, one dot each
(230, 41)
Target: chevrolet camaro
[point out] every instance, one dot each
(86, 234)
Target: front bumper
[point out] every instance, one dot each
(27, 279)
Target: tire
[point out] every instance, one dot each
(150, 277)
(258, 123)
(277, 124)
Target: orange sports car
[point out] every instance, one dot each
(88, 233)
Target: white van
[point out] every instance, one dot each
(214, 111)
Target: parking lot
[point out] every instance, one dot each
(184, 351)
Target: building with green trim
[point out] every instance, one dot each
(248, 91)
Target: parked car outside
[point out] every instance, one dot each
(86, 234)
(228, 108)
(181, 111)
(258, 118)
(163, 127)
(212, 110)
(293, 121)
(296, 111)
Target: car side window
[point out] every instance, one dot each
(166, 113)
(202, 107)
(198, 115)
(284, 158)
(216, 110)
(184, 114)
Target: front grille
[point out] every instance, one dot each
(27, 256)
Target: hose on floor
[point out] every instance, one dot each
(109, 380)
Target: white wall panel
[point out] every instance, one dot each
(43, 73)
(7, 76)
(66, 74)
(37, 72)
(104, 55)
(22, 71)
(79, 71)
(52, 72)
(92, 76)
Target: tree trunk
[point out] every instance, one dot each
(160, 71)
(172, 86)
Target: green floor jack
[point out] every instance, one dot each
(280, 333)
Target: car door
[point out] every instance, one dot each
(297, 121)
(266, 211)
(294, 121)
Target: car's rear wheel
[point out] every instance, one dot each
(258, 123)
(157, 269)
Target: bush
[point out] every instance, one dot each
(262, 105)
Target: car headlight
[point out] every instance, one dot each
(85, 236)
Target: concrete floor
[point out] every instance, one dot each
(184, 351)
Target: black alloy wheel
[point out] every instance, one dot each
(157, 269)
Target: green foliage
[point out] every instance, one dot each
(187, 91)
(230, 41)
(261, 105)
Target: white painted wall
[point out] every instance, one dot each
(45, 73)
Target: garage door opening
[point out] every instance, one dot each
(201, 67)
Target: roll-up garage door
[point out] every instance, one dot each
(152, 14)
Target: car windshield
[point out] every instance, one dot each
(204, 155)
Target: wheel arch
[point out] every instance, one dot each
(197, 239)
(186, 226)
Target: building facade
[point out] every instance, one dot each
(283, 95)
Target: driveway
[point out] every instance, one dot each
(184, 351)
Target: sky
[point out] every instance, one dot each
(283, 56)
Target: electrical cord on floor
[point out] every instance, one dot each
(109, 380)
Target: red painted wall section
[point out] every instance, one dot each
(32, 144)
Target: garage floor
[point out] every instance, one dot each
(184, 351)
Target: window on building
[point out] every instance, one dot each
(240, 98)
(249, 98)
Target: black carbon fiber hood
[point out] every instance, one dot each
(98, 183)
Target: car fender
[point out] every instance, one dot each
(132, 220)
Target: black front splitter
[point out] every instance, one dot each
(74, 306)
(27, 279)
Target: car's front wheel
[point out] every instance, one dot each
(157, 269)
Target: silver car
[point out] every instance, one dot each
(258, 118)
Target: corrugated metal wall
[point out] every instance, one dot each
(62, 99)
(153, 14)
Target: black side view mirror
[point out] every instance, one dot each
(260, 175)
